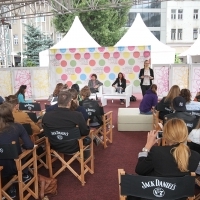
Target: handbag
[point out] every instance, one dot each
(46, 186)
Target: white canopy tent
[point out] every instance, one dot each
(76, 37)
(193, 53)
(139, 35)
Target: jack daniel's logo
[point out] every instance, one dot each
(30, 106)
(160, 185)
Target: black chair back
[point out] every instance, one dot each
(164, 188)
(33, 116)
(62, 135)
(28, 128)
(30, 106)
(8, 151)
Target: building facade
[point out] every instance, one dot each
(175, 23)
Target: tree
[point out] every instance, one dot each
(177, 59)
(35, 42)
(105, 26)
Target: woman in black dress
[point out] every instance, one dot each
(120, 85)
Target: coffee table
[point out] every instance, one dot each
(115, 96)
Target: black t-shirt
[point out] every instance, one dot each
(190, 120)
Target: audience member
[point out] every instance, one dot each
(56, 91)
(76, 87)
(174, 159)
(20, 116)
(194, 135)
(120, 85)
(64, 119)
(190, 105)
(92, 107)
(165, 106)
(9, 132)
(146, 75)
(75, 104)
(1, 100)
(149, 100)
(94, 84)
(180, 113)
(21, 94)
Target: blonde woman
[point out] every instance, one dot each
(165, 106)
(174, 159)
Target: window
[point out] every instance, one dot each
(150, 19)
(196, 14)
(156, 34)
(58, 37)
(173, 34)
(180, 32)
(180, 14)
(195, 33)
(15, 39)
(173, 13)
(40, 19)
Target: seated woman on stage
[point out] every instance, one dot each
(120, 85)
(149, 100)
(56, 91)
(190, 105)
(165, 106)
(21, 95)
(10, 131)
(94, 84)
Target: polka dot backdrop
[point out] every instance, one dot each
(75, 65)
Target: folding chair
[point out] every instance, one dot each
(86, 165)
(9, 151)
(150, 187)
(40, 142)
(105, 130)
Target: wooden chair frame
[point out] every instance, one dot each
(106, 132)
(85, 165)
(122, 197)
(32, 161)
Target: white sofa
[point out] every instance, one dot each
(130, 119)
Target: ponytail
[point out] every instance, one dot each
(181, 154)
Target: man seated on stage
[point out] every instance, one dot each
(94, 84)
(63, 118)
(179, 105)
(20, 116)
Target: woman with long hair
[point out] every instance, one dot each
(149, 100)
(190, 105)
(75, 104)
(9, 132)
(21, 94)
(165, 106)
(56, 91)
(146, 75)
(174, 159)
(120, 85)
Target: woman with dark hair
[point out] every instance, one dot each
(146, 75)
(56, 91)
(10, 131)
(20, 116)
(120, 85)
(21, 94)
(149, 100)
(190, 105)
(94, 84)
(75, 104)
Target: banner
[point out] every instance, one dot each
(76, 65)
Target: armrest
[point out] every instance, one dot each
(26, 152)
